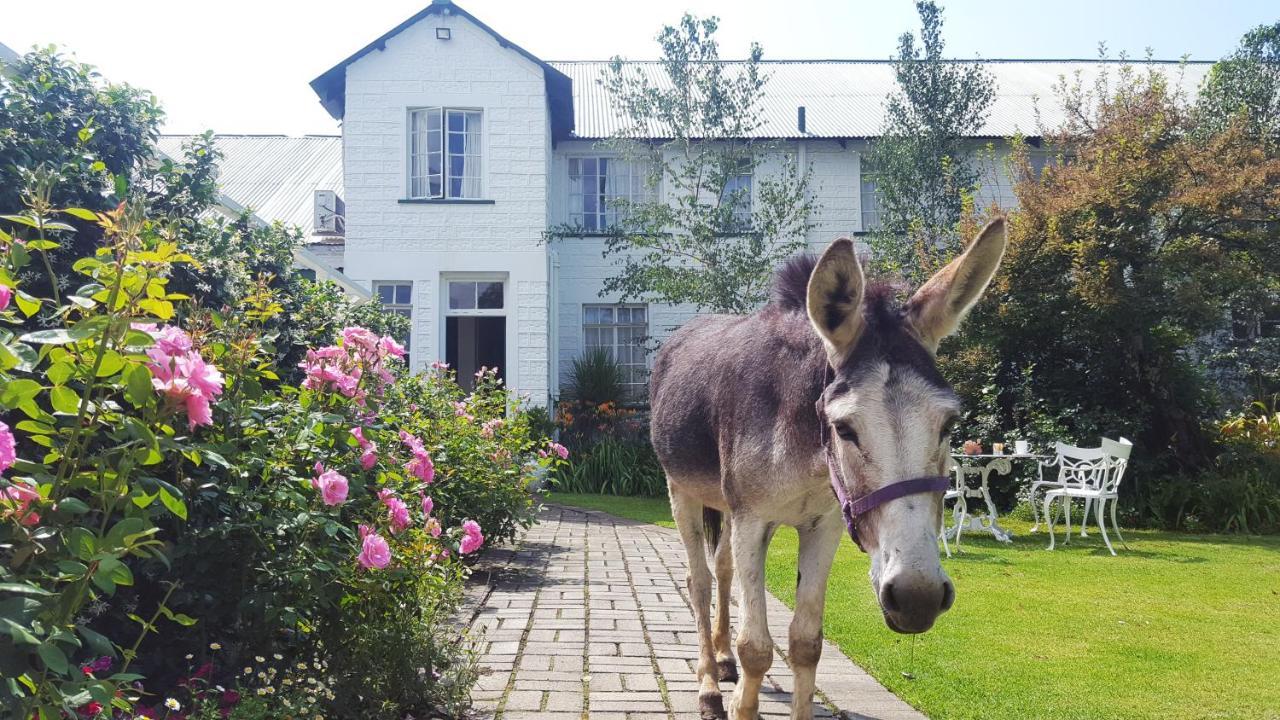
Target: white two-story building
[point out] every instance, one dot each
(460, 149)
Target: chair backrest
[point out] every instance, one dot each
(1118, 457)
(1081, 467)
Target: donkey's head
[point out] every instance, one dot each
(891, 411)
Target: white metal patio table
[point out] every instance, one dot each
(982, 465)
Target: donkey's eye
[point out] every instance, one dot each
(947, 427)
(846, 432)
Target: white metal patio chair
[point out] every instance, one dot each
(961, 511)
(1100, 486)
(1074, 468)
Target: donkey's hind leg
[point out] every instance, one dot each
(720, 636)
(688, 514)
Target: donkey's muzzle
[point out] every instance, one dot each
(912, 604)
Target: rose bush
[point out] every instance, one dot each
(165, 494)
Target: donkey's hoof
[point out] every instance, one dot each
(727, 670)
(711, 706)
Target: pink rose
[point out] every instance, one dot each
(389, 346)
(8, 448)
(16, 500)
(333, 487)
(433, 527)
(5, 294)
(374, 552)
(427, 505)
(472, 538)
(560, 450)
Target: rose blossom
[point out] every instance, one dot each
(472, 538)
(374, 552)
(333, 487)
(5, 293)
(8, 448)
(427, 505)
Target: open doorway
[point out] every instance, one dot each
(475, 342)
(475, 326)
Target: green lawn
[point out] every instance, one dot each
(1179, 626)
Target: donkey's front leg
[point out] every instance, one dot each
(755, 648)
(687, 513)
(818, 543)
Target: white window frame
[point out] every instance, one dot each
(638, 372)
(870, 212)
(418, 155)
(399, 308)
(637, 191)
(741, 213)
(449, 279)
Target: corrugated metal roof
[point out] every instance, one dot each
(274, 175)
(846, 98)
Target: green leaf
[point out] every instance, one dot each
(55, 336)
(21, 220)
(96, 641)
(20, 635)
(144, 500)
(27, 304)
(111, 364)
(82, 213)
(81, 543)
(174, 504)
(60, 372)
(74, 506)
(22, 589)
(18, 391)
(64, 400)
(119, 573)
(138, 388)
(184, 620)
(53, 657)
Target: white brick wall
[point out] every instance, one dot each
(423, 243)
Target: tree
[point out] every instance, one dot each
(691, 131)
(923, 163)
(1118, 263)
(1246, 83)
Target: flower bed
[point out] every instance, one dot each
(185, 534)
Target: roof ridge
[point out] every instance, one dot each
(280, 136)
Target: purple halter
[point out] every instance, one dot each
(853, 509)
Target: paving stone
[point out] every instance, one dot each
(584, 588)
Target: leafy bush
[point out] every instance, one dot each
(614, 466)
(171, 494)
(596, 378)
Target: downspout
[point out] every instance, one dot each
(553, 324)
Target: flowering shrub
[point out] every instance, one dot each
(163, 493)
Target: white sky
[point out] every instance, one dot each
(243, 65)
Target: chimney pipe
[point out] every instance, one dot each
(800, 119)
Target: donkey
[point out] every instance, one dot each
(831, 389)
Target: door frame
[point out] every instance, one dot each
(446, 312)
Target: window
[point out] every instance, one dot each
(595, 186)
(620, 329)
(737, 190)
(444, 153)
(396, 297)
(475, 295)
(869, 196)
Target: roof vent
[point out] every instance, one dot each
(800, 119)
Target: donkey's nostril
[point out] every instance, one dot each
(948, 595)
(887, 599)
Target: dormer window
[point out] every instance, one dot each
(444, 154)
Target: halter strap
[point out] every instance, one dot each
(852, 509)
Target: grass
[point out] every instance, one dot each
(1177, 627)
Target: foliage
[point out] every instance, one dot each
(707, 239)
(595, 378)
(169, 492)
(923, 163)
(611, 451)
(1245, 86)
(1118, 262)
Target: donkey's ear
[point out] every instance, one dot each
(834, 300)
(937, 308)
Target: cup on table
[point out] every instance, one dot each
(997, 448)
(1022, 447)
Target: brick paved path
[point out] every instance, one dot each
(588, 618)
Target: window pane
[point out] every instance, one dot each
(637, 315)
(462, 295)
(490, 296)
(606, 315)
(403, 293)
(386, 294)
